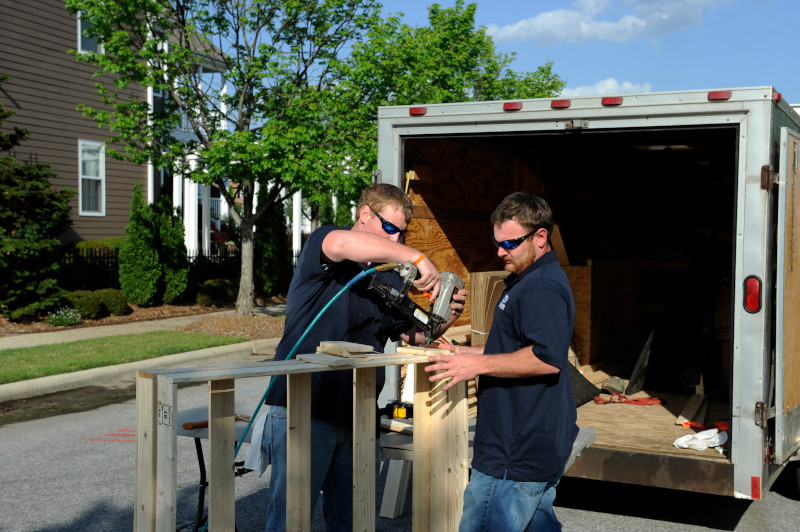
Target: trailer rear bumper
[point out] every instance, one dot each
(713, 477)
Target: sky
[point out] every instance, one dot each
(610, 47)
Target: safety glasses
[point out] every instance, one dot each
(389, 227)
(512, 243)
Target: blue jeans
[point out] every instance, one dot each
(499, 505)
(331, 472)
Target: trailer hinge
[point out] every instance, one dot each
(576, 124)
(767, 177)
(376, 176)
(763, 414)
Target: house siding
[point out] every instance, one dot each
(44, 91)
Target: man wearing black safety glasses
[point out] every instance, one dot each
(331, 258)
(526, 410)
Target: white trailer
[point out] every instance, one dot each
(677, 224)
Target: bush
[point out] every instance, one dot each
(64, 317)
(107, 244)
(272, 262)
(87, 303)
(114, 301)
(139, 268)
(216, 292)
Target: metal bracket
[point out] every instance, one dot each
(767, 177)
(763, 414)
(576, 124)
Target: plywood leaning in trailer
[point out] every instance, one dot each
(440, 437)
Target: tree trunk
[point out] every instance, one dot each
(244, 302)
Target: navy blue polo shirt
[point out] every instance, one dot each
(356, 316)
(526, 426)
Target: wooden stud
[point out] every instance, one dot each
(298, 453)
(167, 470)
(421, 490)
(146, 453)
(364, 411)
(222, 445)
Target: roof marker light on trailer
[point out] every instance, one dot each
(719, 96)
(752, 294)
(612, 100)
(512, 106)
(560, 104)
(777, 97)
(417, 111)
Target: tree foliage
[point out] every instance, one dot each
(450, 60)
(32, 214)
(251, 78)
(139, 268)
(153, 266)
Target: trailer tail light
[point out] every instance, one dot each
(752, 294)
(560, 104)
(719, 96)
(512, 106)
(417, 111)
(611, 101)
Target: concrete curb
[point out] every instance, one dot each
(126, 373)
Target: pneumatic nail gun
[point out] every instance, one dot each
(429, 321)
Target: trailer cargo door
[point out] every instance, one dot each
(787, 345)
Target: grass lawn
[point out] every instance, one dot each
(42, 361)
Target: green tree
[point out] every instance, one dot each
(153, 264)
(32, 215)
(139, 267)
(253, 80)
(172, 252)
(273, 261)
(451, 60)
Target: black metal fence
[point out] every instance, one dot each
(93, 269)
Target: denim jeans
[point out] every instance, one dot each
(499, 505)
(331, 472)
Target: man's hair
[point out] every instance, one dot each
(379, 196)
(528, 210)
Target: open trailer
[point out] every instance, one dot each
(677, 220)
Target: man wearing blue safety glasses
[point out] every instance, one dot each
(331, 258)
(526, 409)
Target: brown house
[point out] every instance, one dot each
(44, 91)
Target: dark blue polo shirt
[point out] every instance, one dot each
(356, 316)
(526, 426)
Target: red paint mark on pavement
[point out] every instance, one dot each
(119, 436)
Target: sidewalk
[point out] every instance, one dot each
(125, 374)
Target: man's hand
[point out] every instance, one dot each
(458, 367)
(429, 278)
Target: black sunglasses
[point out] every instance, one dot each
(508, 245)
(389, 227)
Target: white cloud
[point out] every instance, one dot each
(605, 20)
(608, 86)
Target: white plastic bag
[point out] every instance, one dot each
(702, 440)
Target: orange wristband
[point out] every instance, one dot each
(420, 259)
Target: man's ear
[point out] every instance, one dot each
(364, 214)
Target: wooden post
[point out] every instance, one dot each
(421, 490)
(298, 453)
(144, 517)
(364, 406)
(167, 470)
(222, 446)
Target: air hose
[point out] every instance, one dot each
(381, 268)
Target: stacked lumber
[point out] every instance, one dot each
(485, 290)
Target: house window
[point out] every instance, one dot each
(87, 43)
(92, 178)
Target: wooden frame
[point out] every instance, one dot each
(440, 428)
